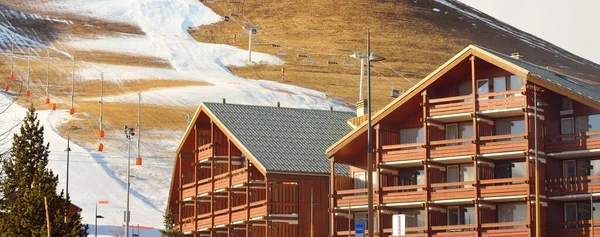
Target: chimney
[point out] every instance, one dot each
(224, 101)
(516, 56)
(331, 108)
(361, 107)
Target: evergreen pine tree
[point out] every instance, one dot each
(170, 228)
(25, 184)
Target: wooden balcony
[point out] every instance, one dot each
(221, 217)
(189, 191)
(452, 151)
(500, 147)
(205, 186)
(573, 229)
(572, 185)
(401, 155)
(205, 152)
(451, 109)
(513, 188)
(410, 231)
(502, 104)
(221, 182)
(447, 192)
(353, 198)
(204, 221)
(517, 229)
(188, 225)
(574, 145)
(454, 230)
(239, 177)
(404, 194)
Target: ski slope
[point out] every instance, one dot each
(97, 176)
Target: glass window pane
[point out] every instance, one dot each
(516, 83)
(569, 169)
(499, 85)
(453, 216)
(518, 169)
(594, 122)
(411, 135)
(467, 172)
(483, 86)
(469, 215)
(567, 127)
(512, 212)
(570, 212)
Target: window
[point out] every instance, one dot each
(461, 215)
(459, 131)
(483, 86)
(414, 217)
(579, 124)
(510, 169)
(579, 211)
(512, 212)
(567, 126)
(460, 173)
(509, 83)
(566, 104)
(510, 126)
(411, 135)
(411, 176)
(360, 180)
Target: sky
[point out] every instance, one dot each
(569, 24)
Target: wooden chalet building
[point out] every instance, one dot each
(456, 154)
(255, 171)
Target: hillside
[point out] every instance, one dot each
(415, 36)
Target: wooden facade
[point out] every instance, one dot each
(219, 189)
(456, 155)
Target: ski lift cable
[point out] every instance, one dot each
(408, 80)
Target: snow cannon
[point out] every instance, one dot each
(53, 106)
(47, 101)
(101, 147)
(27, 93)
(101, 134)
(12, 76)
(6, 88)
(138, 161)
(72, 111)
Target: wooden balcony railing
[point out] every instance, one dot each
(454, 230)
(573, 142)
(501, 100)
(572, 185)
(503, 143)
(503, 187)
(410, 231)
(205, 151)
(451, 148)
(204, 221)
(400, 194)
(451, 105)
(455, 190)
(188, 224)
(239, 176)
(352, 197)
(573, 228)
(402, 152)
(517, 229)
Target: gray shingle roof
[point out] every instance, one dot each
(285, 139)
(577, 86)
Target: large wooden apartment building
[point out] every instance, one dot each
(255, 171)
(456, 154)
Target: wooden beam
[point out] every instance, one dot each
(378, 161)
(332, 200)
(475, 133)
(212, 179)
(425, 114)
(268, 197)
(229, 197)
(195, 180)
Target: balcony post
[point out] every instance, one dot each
(475, 147)
(268, 203)
(379, 226)
(247, 198)
(229, 197)
(426, 161)
(195, 165)
(332, 199)
(180, 201)
(527, 155)
(212, 178)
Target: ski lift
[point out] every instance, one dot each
(276, 44)
(311, 60)
(254, 31)
(348, 63)
(282, 53)
(332, 61)
(303, 54)
(395, 93)
(226, 18)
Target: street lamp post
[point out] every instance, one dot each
(96, 218)
(129, 133)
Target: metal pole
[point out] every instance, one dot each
(592, 207)
(12, 56)
(250, 44)
(362, 75)
(67, 190)
(28, 70)
(128, 184)
(101, 100)
(48, 76)
(96, 221)
(73, 84)
(537, 182)
(138, 125)
(312, 219)
(369, 143)
(349, 217)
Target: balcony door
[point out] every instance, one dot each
(460, 173)
(567, 126)
(461, 215)
(459, 131)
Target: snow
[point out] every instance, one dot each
(100, 176)
(436, 9)
(90, 180)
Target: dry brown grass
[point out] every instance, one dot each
(120, 59)
(414, 39)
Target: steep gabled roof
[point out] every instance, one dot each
(573, 88)
(280, 139)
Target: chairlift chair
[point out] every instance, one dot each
(303, 54)
(332, 61)
(348, 63)
(311, 60)
(282, 53)
(276, 44)
(253, 31)
(226, 18)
